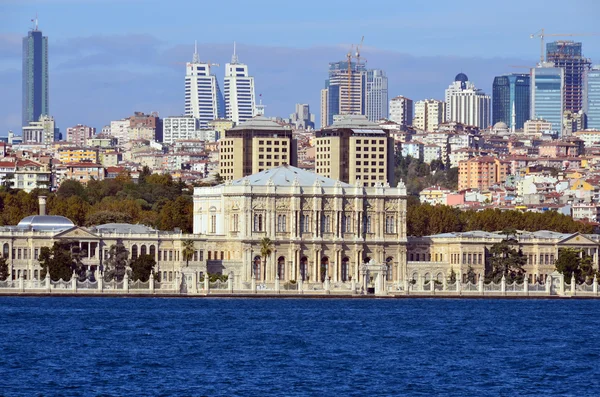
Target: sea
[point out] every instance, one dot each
(76, 346)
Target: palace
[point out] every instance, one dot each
(317, 228)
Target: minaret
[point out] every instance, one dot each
(514, 119)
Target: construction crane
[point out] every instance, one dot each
(541, 34)
(349, 56)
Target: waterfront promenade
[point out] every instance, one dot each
(188, 286)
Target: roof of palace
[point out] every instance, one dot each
(45, 223)
(124, 228)
(285, 175)
(521, 234)
(259, 123)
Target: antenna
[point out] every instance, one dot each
(234, 57)
(36, 21)
(196, 58)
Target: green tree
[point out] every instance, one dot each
(70, 188)
(452, 278)
(188, 251)
(266, 249)
(142, 267)
(3, 269)
(116, 263)
(507, 261)
(58, 260)
(576, 262)
(471, 276)
(103, 217)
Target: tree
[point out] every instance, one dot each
(471, 275)
(507, 261)
(219, 179)
(576, 262)
(266, 249)
(69, 188)
(58, 260)
(3, 269)
(103, 217)
(188, 251)
(116, 263)
(142, 267)
(452, 278)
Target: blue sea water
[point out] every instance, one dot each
(298, 347)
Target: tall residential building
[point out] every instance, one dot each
(302, 118)
(356, 151)
(138, 126)
(177, 128)
(401, 111)
(345, 90)
(203, 98)
(547, 87)
(466, 104)
(592, 108)
(43, 131)
(376, 95)
(482, 172)
(511, 100)
(324, 107)
(567, 55)
(254, 146)
(429, 114)
(238, 88)
(80, 134)
(35, 76)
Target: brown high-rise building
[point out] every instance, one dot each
(254, 146)
(356, 151)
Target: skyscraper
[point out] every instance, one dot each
(466, 104)
(345, 90)
(593, 98)
(35, 76)
(376, 95)
(203, 98)
(567, 55)
(547, 87)
(302, 118)
(238, 88)
(401, 111)
(510, 98)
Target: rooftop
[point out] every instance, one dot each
(285, 176)
(123, 228)
(259, 123)
(45, 223)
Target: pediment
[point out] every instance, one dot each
(77, 233)
(577, 239)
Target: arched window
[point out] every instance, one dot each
(281, 268)
(258, 223)
(152, 251)
(346, 224)
(143, 250)
(326, 228)
(304, 268)
(256, 267)
(134, 252)
(389, 225)
(304, 224)
(5, 250)
(281, 220)
(345, 269)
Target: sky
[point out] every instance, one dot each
(109, 58)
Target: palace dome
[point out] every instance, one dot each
(45, 223)
(461, 77)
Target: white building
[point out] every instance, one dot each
(120, 129)
(466, 104)
(376, 95)
(42, 131)
(431, 152)
(413, 149)
(179, 127)
(429, 114)
(203, 99)
(401, 111)
(238, 89)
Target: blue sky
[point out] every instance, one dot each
(109, 58)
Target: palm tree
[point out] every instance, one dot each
(188, 251)
(266, 249)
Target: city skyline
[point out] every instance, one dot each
(99, 64)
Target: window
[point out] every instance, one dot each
(368, 224)
(326, 224)
(258, 223)
(346, 223)
(281, 223)
(389, 224)
(235, 225)
(213, 223)
(304, 224)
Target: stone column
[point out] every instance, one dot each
(480, 286)
(595, 286)
(432, 284)
(526, 286)
(47, 281)
(151, 281)
(206, 284)
(353, 286)
(300, 286)
(573, 284)
(444, 284)
(277, 286)
(230, 282)
(503, 285)
(22, 282)
(327, 285)
(126, 283)
(254, 284)
(101, 282)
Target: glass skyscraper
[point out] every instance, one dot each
(511, 93)
(568, 56)
(593, 98)
(547, 87)
(339, 99)
(377, 95)
(35, 76)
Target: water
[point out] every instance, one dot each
(298, 347)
